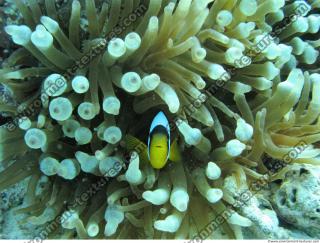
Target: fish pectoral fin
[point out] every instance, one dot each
(175, 154)
(134, 144)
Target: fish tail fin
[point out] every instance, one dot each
(175, 154)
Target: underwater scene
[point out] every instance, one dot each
(160, 119)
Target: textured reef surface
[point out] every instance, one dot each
(82, 80)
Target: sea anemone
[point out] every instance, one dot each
(237, 79)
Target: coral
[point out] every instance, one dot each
(238, 80)
(257, 209)
(10, 199)
(297, 199)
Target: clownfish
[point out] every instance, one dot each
(159, 149)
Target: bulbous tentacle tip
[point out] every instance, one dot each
(35, 138)
(214, 195)
(93, 230)
(180, 200)
(50, 24)
(111, 105)
(170, 224)
(157, 197)
(20, 34)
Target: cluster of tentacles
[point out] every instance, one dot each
(80, 131)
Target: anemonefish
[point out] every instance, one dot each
(160, 149)
(159, 142)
